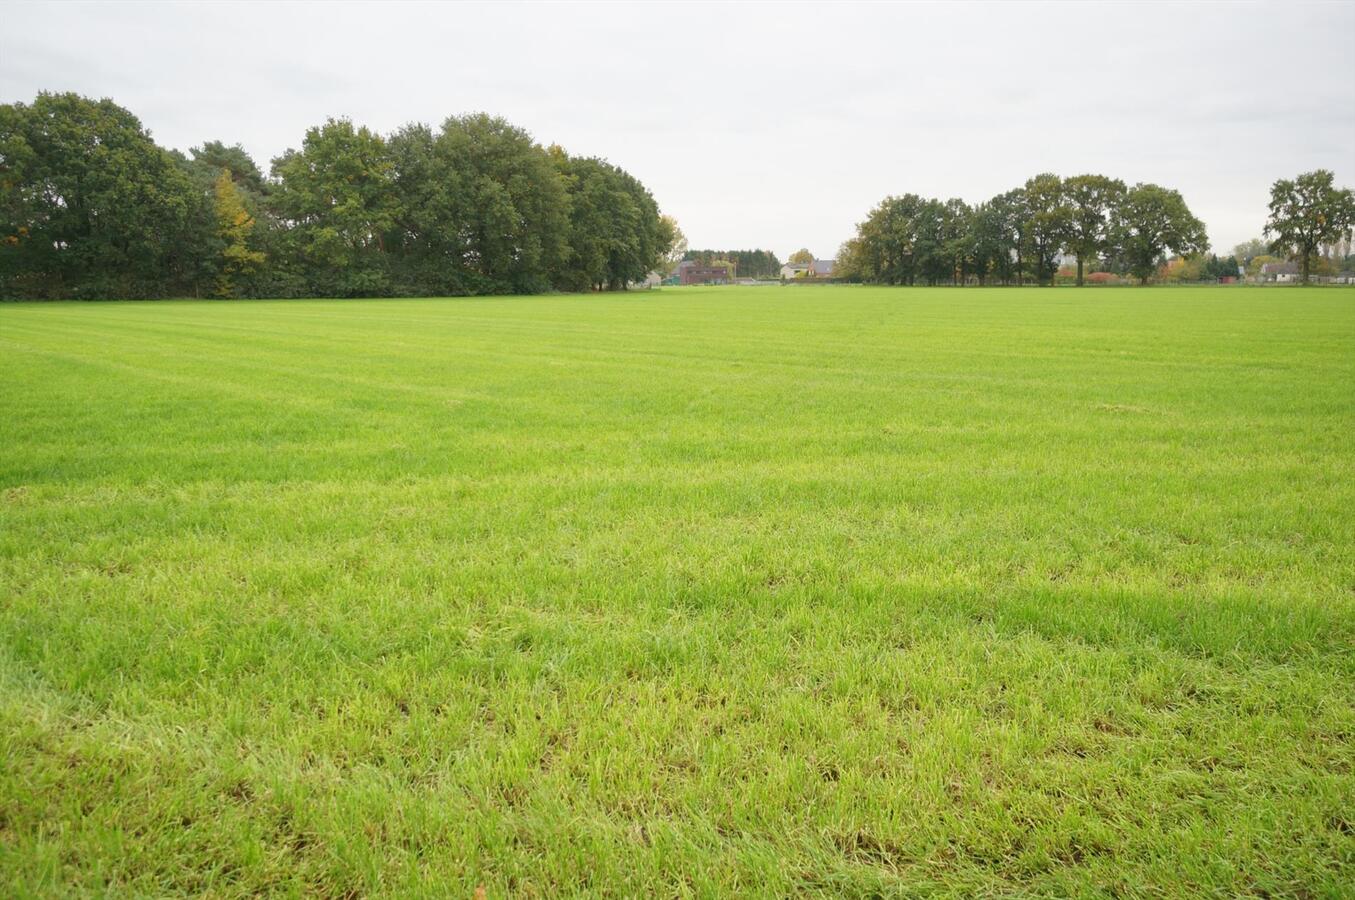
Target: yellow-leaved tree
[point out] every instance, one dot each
(234, 224)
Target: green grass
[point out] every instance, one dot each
(768, 591)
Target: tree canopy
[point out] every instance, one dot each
(1092, 199)
(1152, 220)
(1022, 233)
(1307, 212)
(91, 207)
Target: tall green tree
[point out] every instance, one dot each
(1092, 200)
(513, 204)
(931, 249)
(1015, 211)
(1150, 222)
(1001, 234)
(91, 206)
(1049, 223)
(1308, 212)
(998, 236)
(335, 195)
(801, 257)
(1217, 267)
(429, 240)
(617, 235)
(893, 240)
(956, 244)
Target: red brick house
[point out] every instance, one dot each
(692, 272)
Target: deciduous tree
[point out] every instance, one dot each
(1152, 221)
(1048, 225)
(1092, 200)
(513, 204)
(1307, 212)
(671, 236)
(92, 207)
(335, 193)
(235, 225)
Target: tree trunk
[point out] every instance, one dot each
(1079, 271)
(1306, 258)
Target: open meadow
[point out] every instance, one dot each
(835, 590)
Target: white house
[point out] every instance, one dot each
(1281, 272)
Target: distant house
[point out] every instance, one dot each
(689, 271)
(819, 268)
(1281, 272)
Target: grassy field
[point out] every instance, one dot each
(702, 591)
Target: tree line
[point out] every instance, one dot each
(91, 207)
(1095, 220)
(1021, 234)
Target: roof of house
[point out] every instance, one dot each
(1280, 268)
(824, 266)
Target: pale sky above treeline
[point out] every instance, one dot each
(773, 125)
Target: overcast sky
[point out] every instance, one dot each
(770, 125)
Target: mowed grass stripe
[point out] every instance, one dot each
(709, 591)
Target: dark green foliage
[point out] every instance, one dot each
(513, 208)
(244, 172)
(205, 251)
(910, 240)
(1091, 200)
(1152, 220)
(1050, 223)
(91, 207)
(335, 195)
(1219, 267)
(1023, 232)
(1005, 232)
(616, 232)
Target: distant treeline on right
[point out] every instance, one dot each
(1106, 227)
